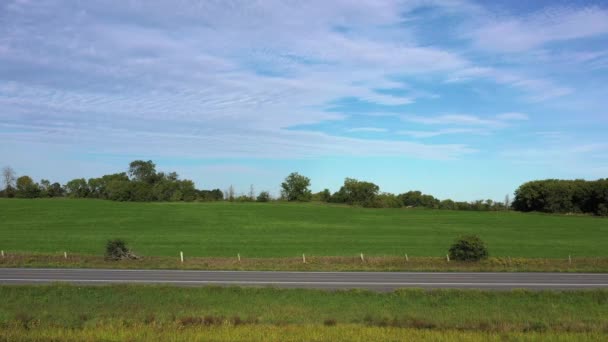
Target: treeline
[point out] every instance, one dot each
(141, 183)
(563, 196)
(368, 195)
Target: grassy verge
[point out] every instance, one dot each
(126, 312)
(312, 263)
(346, 333)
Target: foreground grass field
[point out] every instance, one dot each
(286, 230)
(63, 312)
(306, 333)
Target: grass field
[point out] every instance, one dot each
(78, 313)
(286, 229)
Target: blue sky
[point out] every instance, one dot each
(460, 99)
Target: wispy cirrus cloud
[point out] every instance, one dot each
(466, 119)
(210, 79)
(440, 132)
(554, 24)
(367, 129)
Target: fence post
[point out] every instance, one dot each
(303, 258)
(2, 252)
(181, 256)
(447, 257)
(362, 259)
(238, 256)
(406, 258)
(65, 255)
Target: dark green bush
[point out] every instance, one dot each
(468, 248)
(117, 250)
(264, 196)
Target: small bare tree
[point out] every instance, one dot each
(252, 192)
(507, 202)
(229, 194)
(8, 177)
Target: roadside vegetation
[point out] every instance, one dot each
(154, 312)
(282, 333)
(313, 263)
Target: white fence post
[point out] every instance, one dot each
(181, 256)
(303, 258)
(447, 257)
(65, 255)
(238, 256)
(2, 252)
(406, 258)
(362, 259)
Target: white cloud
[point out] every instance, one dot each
(549, 25)
(512, 116)
(367, 129)
(223, 78)
(439, 132)
(452, 119)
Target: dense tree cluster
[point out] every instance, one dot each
(141, 183)
(367, 194)
(563, 196)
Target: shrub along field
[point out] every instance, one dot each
(159, 312)
(257, 230)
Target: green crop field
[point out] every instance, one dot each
(286, 229)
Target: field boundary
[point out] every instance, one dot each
(310, 263)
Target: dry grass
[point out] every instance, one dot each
(286, 333)
(313, 263)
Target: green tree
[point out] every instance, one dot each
(264, 196)
(55, 190)
(143, 171)
(295, 188)
(26, 188)
(325, 195)
(77, 188)
(358, 192)
(45, 185)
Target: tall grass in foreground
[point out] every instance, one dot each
(74, 307)
(287, 333)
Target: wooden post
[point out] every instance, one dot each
(406, 258)
(65, 255)
(362, 259)
(2, 252)
(238, 256)
(303, 258)
(447, 257)
(181, 256)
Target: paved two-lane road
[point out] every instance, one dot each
(378, 281)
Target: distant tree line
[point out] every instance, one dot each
(563, 196)
(368, 195)
(143, 183)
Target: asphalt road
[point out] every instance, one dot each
(379, 281)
